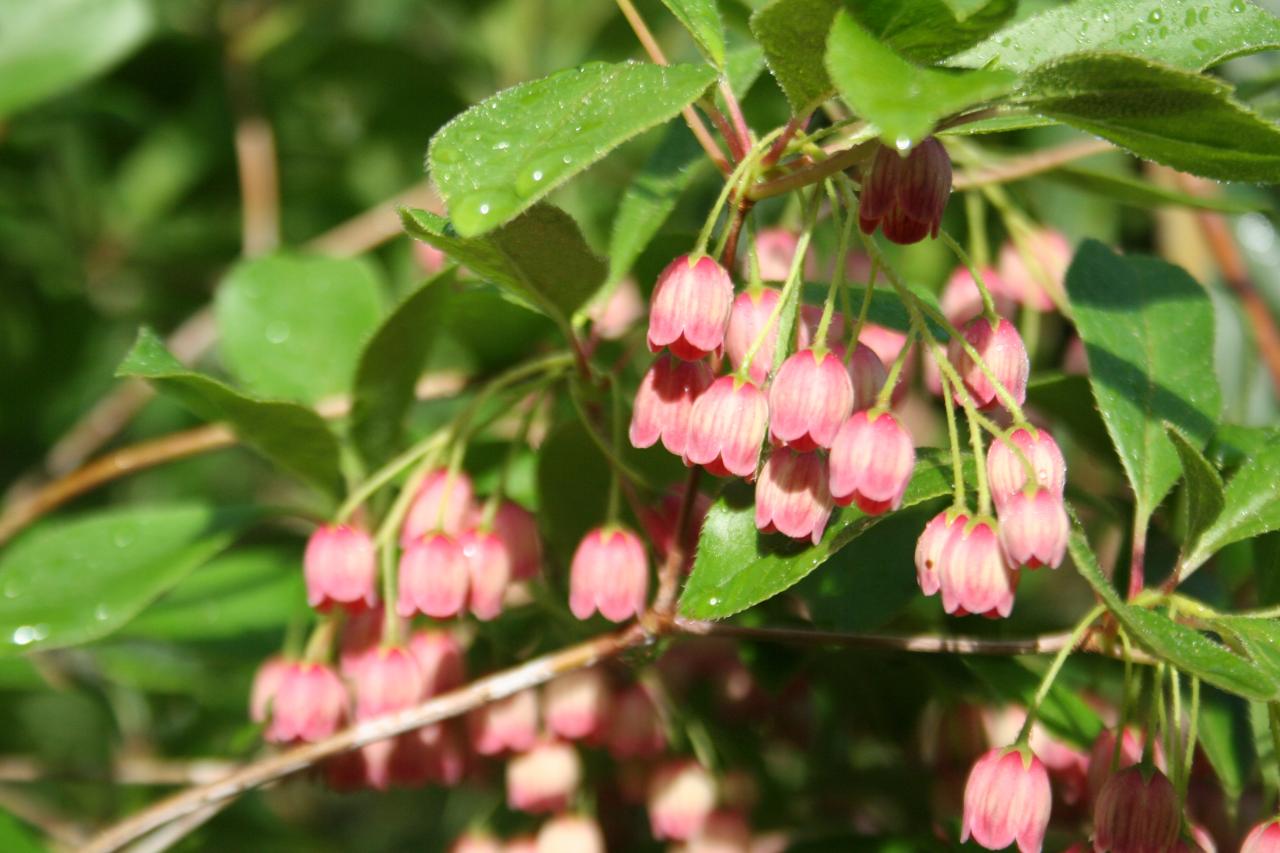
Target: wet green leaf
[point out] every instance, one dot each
(702, 19)
(1252, 506)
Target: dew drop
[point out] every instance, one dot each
(446, 154)
(1156, 16)
(123, 537)
(501, 146)
(902, 143)
(12, 589)
(1237, 5)
(101, 613)
(713, 601)
(1201, 44)
(1191, 18)
(277, 332)
(23, 635)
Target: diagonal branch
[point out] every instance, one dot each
(1028, 165)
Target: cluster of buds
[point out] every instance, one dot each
(831, 443)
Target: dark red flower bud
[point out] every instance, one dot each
(906, 195)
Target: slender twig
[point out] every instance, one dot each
(259, 186)
(126, 770)
(673, 565)
(806, 175)
(159, 451)
(170, 834)
(443, 707)
(53, 823)
(651, 47)
(1028, 165)
(1236, 275)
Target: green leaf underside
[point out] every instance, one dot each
(737, 567)
(1185, 648)
(1251, 507)
(540, 258)
(294, 437)
(48, 46)
(75, 580)
(1148, 331)
(926, 31)
(1178, 118)
(793, 34)
(1220, 741)
(249, 589)
(1203, 485)
(1130, 190)
(702, 19)
(390, 366)
(292, 326)
(1188, 34)
(502, 155)
(903, 100)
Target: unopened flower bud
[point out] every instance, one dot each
(906, 195)
(1136, 812)
(690, 307)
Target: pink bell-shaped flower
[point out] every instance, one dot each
(543, 779)
(390, 681)
(664, 402)
(935, 547)
(690, 307)
(682, 795)
(867, 376)
(727, 427)
(440, 660)
(751, 311)
(505, 725)
(1136, 812)
(1034, 529)
(444, 503)
(906, 196)
(1008, 475)
(1036, 285)
(871, 462)
(488, 569)
(310, 704)
(576, 705)
(792, 497)
(266, 682)
(1263, 838)
(433, 578)
(1001, 349)
(961, 298)
(518, 530)
(809, 399)
(1007, 799)
(609, 572)
(613, 316)
(975, 577)
(776, 251)
(567, 832)
(341, 568)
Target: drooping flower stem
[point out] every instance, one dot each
(885, 396)
(837, 281)
(390, 619)
(1189, 752)
(320, 644)
(976, 214)
(988, 304)
(1046, 683)
(953, 438)
(980, 470)
(518, 440)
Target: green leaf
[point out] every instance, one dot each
(573, 487)
(1264, 747)
(1148, 331)
(903, 100)
(1184, 647)
(1233, 445)
(1188, 34)
(502, 155)
(292, 326)
(1252, 507)
(73, 581)
(793, 34)
(702, 19)
(16, 838)
(390, 366)
(249, 589)
(926, 31)
(46, 47)
(737, 567)
(540, 258)
(1135, 192)
(1069, 400)
(293, 437)
(1178, 118)
(1203, 485)
(867, 582)
(1260, 639)
(651, 197)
